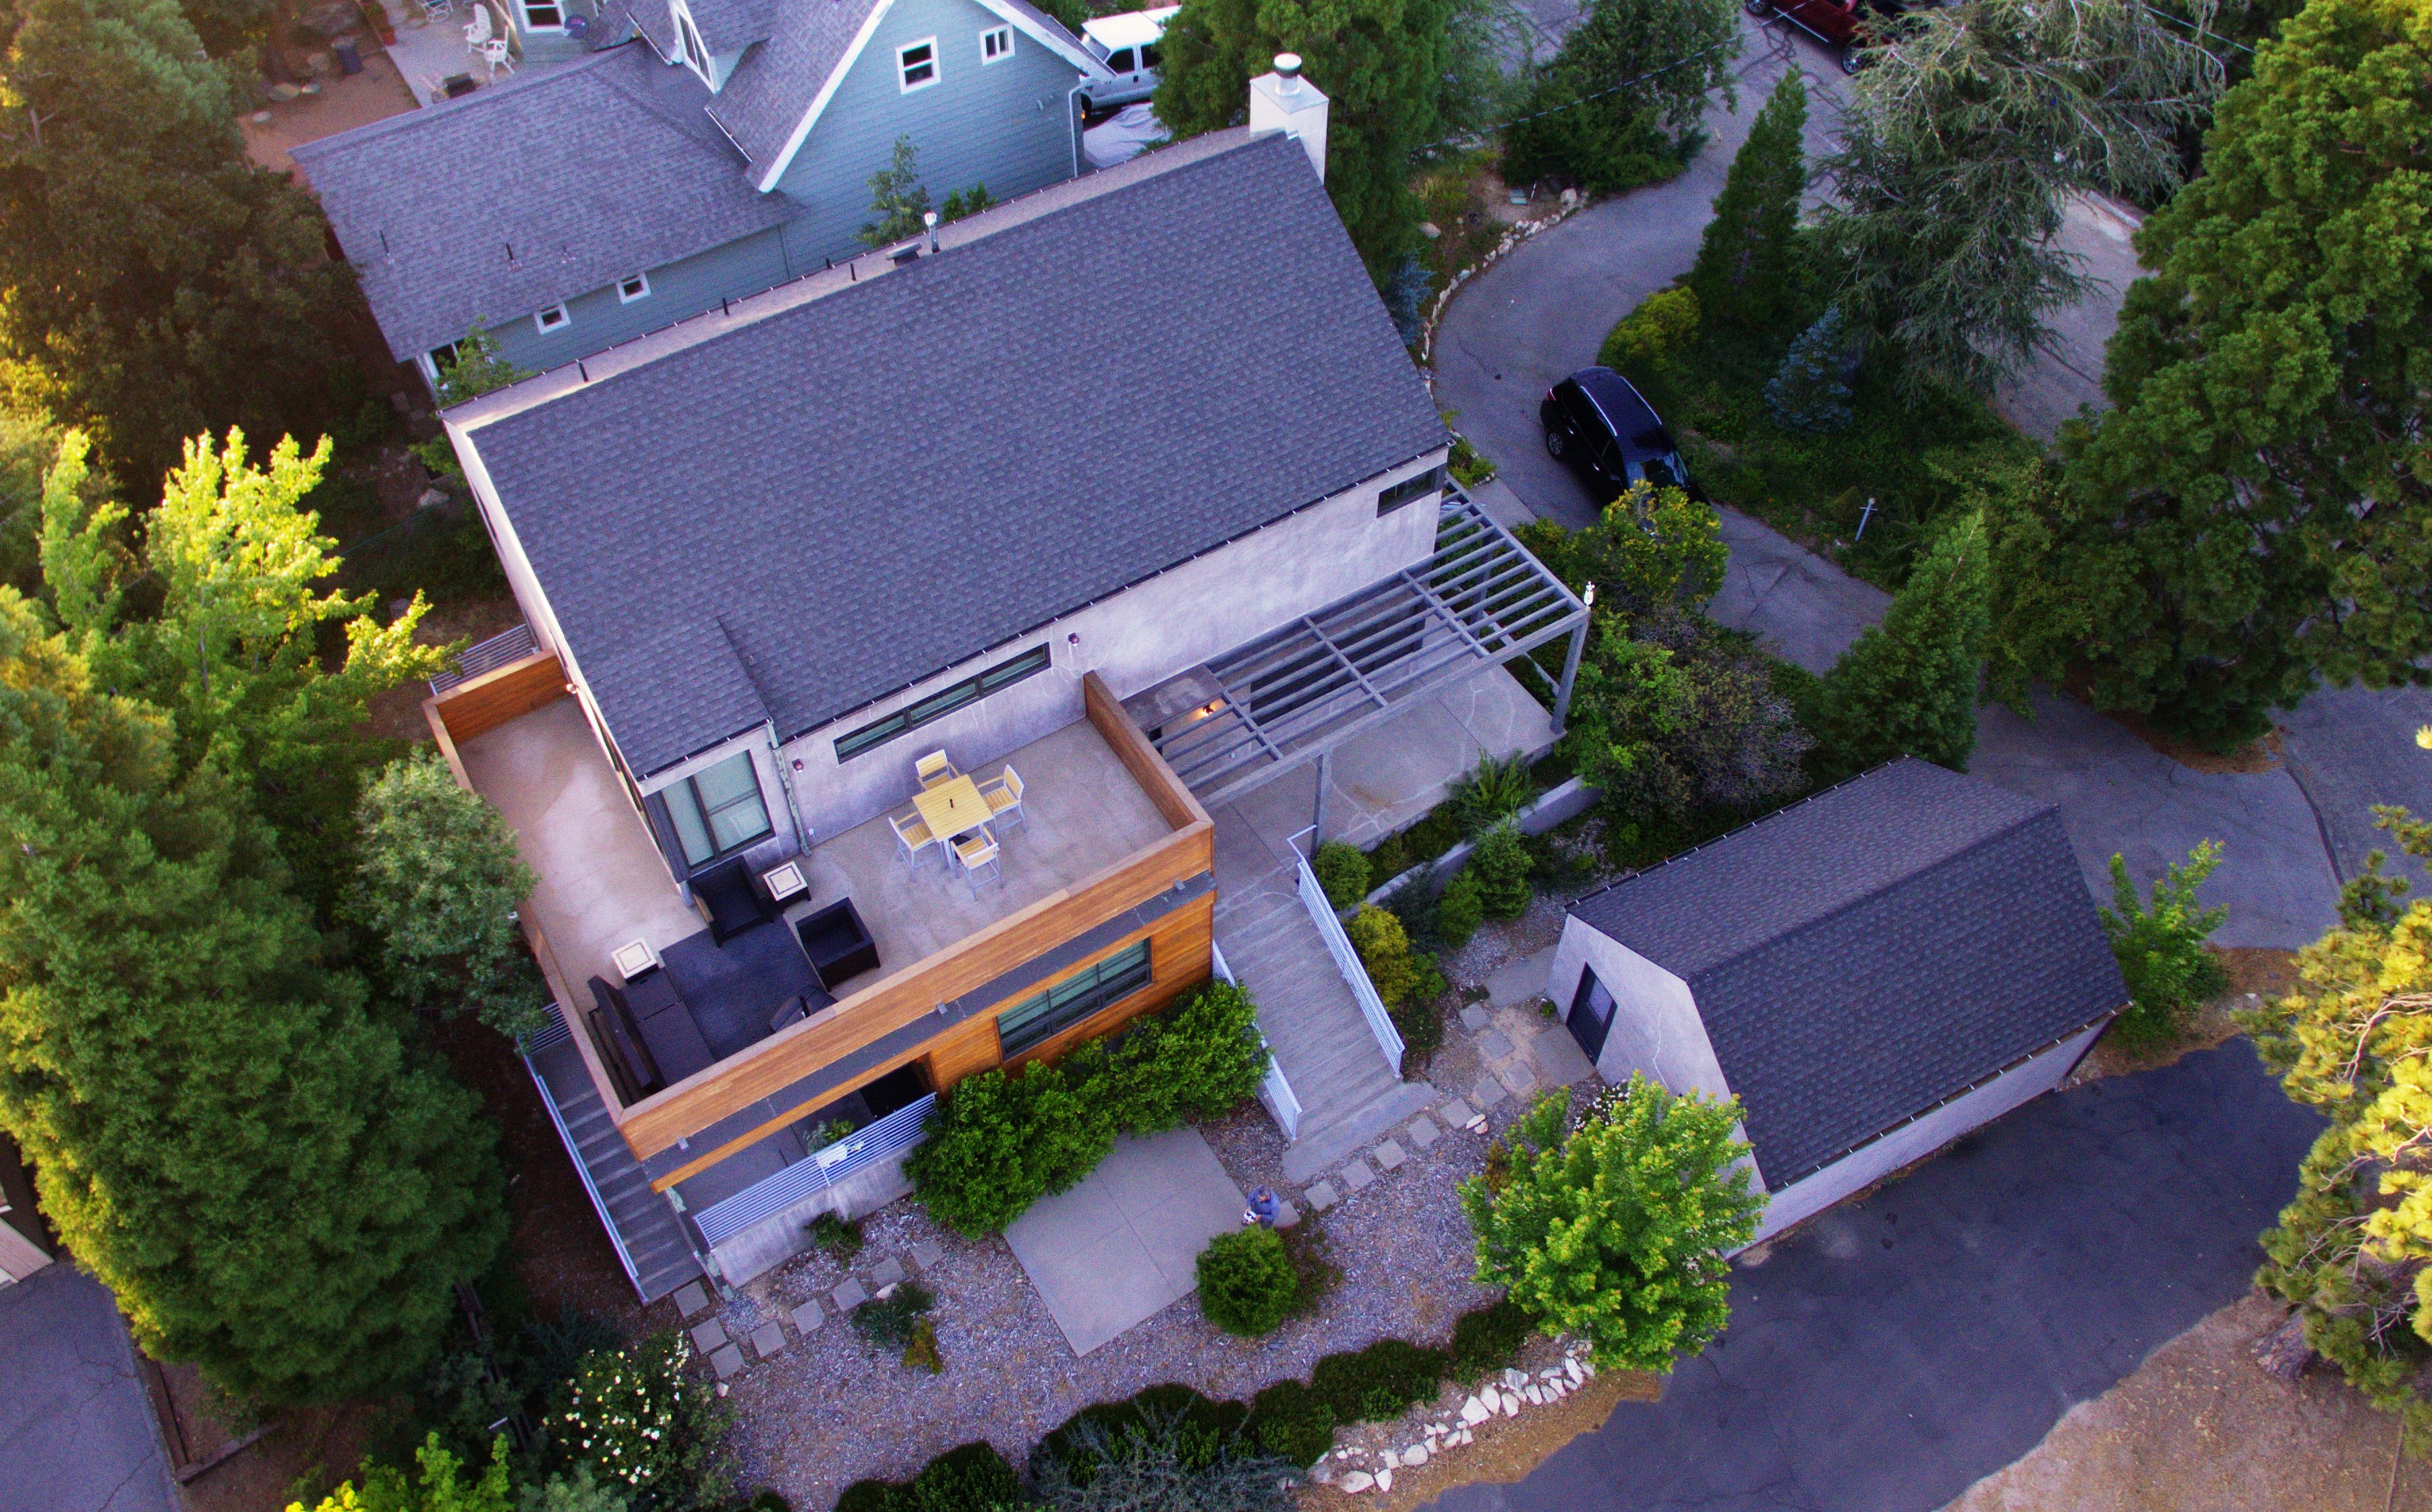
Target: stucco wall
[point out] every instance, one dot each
(1914, 1141)
(1134, 640)
(770, 1241)
(1655, 1024)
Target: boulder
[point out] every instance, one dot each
(1384, 1480)
(1354, 1483)
(1474, 1412)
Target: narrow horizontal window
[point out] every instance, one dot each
(942, 703)
(1397, 494)
(1079, 996)
(917, 63)
(553, 318)
(637, 287)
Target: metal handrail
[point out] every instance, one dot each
(1346, 960)
(486, 656)
(1274, 1089)
(898, 1131)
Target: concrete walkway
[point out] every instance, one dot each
(76, 1431)
(1123, 1245)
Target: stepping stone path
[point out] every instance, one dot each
(1494, 1045)
(1475, 1019)
(889, 1271)
(1487, 1092)
(1424, 1133)
(691, 1298)
(1324, 1196)
(1518, 1076)
(767, 1339)
(848, 1296)
(1357, 1177)
(707, 1336)
(925, 1257)
(807, 1318)
(1389, 1156)
(727, 1360)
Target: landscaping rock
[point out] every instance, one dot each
(1384, 1480)
(889, 1271)
(1354, 1483)
(1390, 1156)
(848, 1296)
(1424, 1133)
(1415, 1455)
(1323, 1196)
(1357, 1177)
(767, 1339)
(1511, 1405)
(1571, 1368)
(808, 1318)
(1474, 1412)
(709, 1335)
(691, 1298)
(727, 1360)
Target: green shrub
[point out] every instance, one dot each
(645, 1426)
(837, 1237)
(921, 1350)
(1210, 1057)
(1164, 1459)
(1487, 1339)
(2160, 946)
(1071, 1451)
(970, 1478)
(1419, 1018)
(1384, 949)
(1390, 858)
(1247, 1282)
(888, 1321)
(1491, 792)
(1459, 910)
(1343, 871)
(1654, 333)
(1292, 1422)
(1502, 864)
(1379, 1381)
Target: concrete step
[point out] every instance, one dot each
(1322, 1144)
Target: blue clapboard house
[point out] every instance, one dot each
(705, 150)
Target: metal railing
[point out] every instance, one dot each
(1346, 960)
(574, 1153)
(892, 1135)
(1274, 1089)
(487, 656)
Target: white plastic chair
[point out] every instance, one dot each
(476, 30)
(1003, 794)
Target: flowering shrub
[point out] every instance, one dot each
(646, 1426)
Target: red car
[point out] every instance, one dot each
(1837, 24)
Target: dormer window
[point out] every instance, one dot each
(918, 64)
(996, 44)
(637, 287)
(694, 52)
(554, 318)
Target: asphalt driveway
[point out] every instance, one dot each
(1897, 1349)
(76, 1432)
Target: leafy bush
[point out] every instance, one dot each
(1680, 716)
(1379, 1381)
(1491, 792)
(1247, 1282)
(1502, 863)
(1071, 1451)
(1291, 1422)
(970, 1478)
(1656, 332)
(646, 1426)
(998, 1142)
(1487, 1339)
(921, 1350)
(1167, 1459)
(888, 1321)
(837, 1237)
(2160, 946)
(1343, 871)
(1459, 910)
(1384, 949)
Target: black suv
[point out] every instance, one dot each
(1611, 436)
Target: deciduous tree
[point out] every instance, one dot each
(2255, 513)
(1620, 1230)
(1676, 716)
(1908, 687)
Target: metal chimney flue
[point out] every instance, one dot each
(929, 219)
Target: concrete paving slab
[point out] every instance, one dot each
(1455, 1113)
(767, 1339)
(1357, 1177)
(848, 1296)
(1323, 1196)
(691, 1298)
(77, 1430)
(888, 1272)
(1517, 1076)
(1487, 1093)
(1424, 1133)
(1559, 1060)
(925, 1257)
(727, 1360)
(1123, 1245)
(1389, 1156)
(807, 1318)
(1473, 1018)
(1519, 981)
(1287, 1216)
(708, 1335)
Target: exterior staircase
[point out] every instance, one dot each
(648, 1235)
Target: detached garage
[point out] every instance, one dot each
(1873, 972)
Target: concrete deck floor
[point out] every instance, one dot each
(1084, 812)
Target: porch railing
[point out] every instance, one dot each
(1346, 960)
(892, 1135)
(486, 656)
(1274, 1089)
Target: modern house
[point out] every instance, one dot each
(891, 634)
(706, 153)
(1873, 972)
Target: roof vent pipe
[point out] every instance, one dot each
(1283, 101)
(1288, 73)
(929, 219)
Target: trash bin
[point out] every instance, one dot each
(350, 58)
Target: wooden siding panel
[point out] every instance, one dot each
(902, 997)
(1138, 757)
(1005, 124)
(679, 291)
(963, 1051)
(510, 692)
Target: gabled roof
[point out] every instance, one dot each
(731, 25)
(491, 206)
(810, 473)
(1861, 956)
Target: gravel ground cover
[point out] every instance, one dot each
(827, 1409)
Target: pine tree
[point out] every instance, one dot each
(1908, 687)
(1747, 260)
(1806, 392)
(2255, 513)
(1612, 106)
(163, 285)
(1382, 62)
(271, 1184)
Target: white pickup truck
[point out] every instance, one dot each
(1128, 44)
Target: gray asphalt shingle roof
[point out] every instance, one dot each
(1864, 955)
(766, 97)
(584, 173)
(813, 481)
(727, 25)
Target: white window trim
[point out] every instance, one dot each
(643, 292)
(543, 324)
(530, 24)
(904, 87)
(1002, 53)
(694, 51)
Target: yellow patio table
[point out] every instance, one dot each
(952, 808)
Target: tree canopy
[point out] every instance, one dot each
(1748, 265)
(1614, 105)
(1908, 687)
(2256, 513)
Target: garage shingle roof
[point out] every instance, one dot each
(1864, 955)
(886, 478)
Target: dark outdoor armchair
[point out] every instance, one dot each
(730, 896)
(838, 943)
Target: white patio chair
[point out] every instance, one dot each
(437, 10)
(978, 851)
(932, 769)
(494, 53)
(912, 836)
(476, 30)
(1003, 794)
